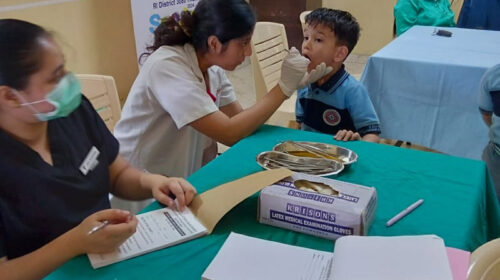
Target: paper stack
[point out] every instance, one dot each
(355, 258)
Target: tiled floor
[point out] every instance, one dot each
(242, 80)
(355, 64)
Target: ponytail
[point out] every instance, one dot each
(173, 31)
(225, 19)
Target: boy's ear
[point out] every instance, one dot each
(214, 45)
(7, 98)
(341, 53)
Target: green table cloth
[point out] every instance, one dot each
(460, 205)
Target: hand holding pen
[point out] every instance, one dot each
(103, 231)
(98, 227)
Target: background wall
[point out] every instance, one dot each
(456, 6)
(376, 20)
(97, 36)
(313, 4)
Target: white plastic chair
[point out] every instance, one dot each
(102, 93)
(302, 18)
(485, 262)
(269, 47)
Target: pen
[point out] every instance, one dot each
(98, 227)
(404, 212)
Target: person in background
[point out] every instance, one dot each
(489, 105)
(408, 13)
(336, 104)
(480, 14)
(59, 163)
(182, 103)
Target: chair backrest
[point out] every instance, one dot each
(269, 47)
(102, 93)
(485, 262)
(302, 18)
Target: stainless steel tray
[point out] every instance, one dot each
(313, 166)
(317, 150)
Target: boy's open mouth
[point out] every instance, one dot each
(306, 56)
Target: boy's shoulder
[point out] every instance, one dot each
(491, 79)
(350, 85)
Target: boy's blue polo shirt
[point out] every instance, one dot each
(38, 201)
(340, 103)
(489, 101)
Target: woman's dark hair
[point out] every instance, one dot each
(342, 23)
(19, 51)
(225, 19)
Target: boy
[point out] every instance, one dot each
(337, 104)
(489, 105)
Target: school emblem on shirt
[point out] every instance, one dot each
(331, 117)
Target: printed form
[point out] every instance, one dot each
(243, 257)
(156, 230)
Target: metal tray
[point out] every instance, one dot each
(317, 150)
(312, 166)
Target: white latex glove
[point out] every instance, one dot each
(293, 69)
(317, 73)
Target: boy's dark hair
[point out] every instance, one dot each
(342, 23)
(20, 52)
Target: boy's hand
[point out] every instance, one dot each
(347, 135)
(293, 69)
(317, 73)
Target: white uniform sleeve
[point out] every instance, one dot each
(225, 91)
(179, 92)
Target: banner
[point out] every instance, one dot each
(147, 14)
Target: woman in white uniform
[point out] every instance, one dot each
(182, 103)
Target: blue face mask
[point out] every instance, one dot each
(65, 97)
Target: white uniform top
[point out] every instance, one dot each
(168, 94)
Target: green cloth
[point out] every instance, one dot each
(460, 205)
(408, 13)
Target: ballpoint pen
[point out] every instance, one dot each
(98, 227)
(404, 212)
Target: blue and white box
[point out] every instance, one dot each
(350, 212)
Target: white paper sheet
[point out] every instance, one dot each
(243, 257)
(391, 258)
(156, 230)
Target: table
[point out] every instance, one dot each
(459, 206)
(424, 88)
